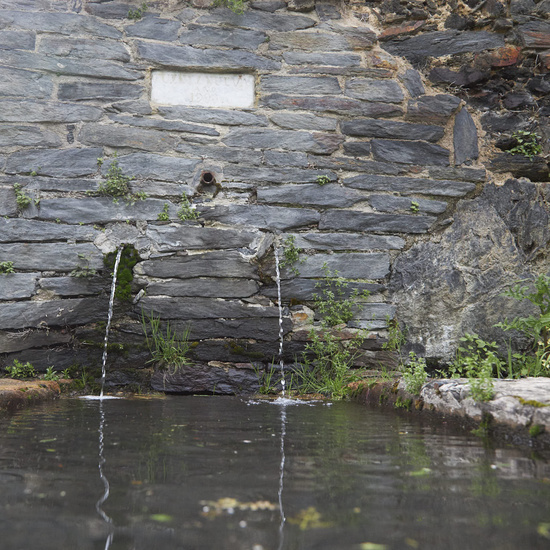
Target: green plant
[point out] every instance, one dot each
(22, 200)
(138, 13)
(535, 430)
(6, 267)
(164, 216)
(291, 255)
(267, 379)
(66, 374)
(414, 374)
(115, 184)
(168, 349)
(51, 374)
(186, 210)
(236, 6)
(322, 180)
(396, 336)
(83, 270)
(20, 370)
(528, 144)
(125, 274)
(481, 386)
(475, 357)
(415, 207)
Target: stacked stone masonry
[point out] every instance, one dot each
(347, 149)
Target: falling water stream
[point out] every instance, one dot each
(281, 332)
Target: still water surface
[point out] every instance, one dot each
(224, 473)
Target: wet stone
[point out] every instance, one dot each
(300, 289)
(11, 342)
(259, 329)
(410, 152)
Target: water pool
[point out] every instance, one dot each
(224, 473)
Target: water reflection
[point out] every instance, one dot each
(103, 477)
(281, 477)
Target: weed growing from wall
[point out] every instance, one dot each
(291, 255)
(21, 199)
(84, 269)
(117, 185)
(138, 13)
(6, 267)
(414, 374)
(128, 259)
(20, 370)
(237, 6)
(187, 211)
(528, 144)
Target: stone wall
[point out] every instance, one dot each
(347, 149)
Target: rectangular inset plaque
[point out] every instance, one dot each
(203, 89)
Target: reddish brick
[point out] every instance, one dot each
(408, 28)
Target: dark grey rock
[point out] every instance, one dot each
(356, 165)
(268, 5)
(191, 58)
(343, 241)
(17, 40)
(208, 264)
(465, 138)
(300, 85)
(350, 265)
(357, 148)
(433, 109)
(158, 167)
(409, 152)
(331, 59)
(11, 342)
(390, 203)
(53, 313)
(222, 379)
(330, 104)
(466, 77)
(441, 43)
(327, 11)
(14, 286)
(197, 35)
(501, 122)
(22, 230)
(312, 194)
(536, 169)
(134, 107)
(222, 153)
(8, 206)
(324, 144)
(56, 163)
(535, 34)
(169, 238)
(169, 125)
(39, 183)
(264, 217)
(51, 256)
(257, 20)
(301, 5)
(41, 111)
(115, 135)
(410, 186)
(391, 129)
(350, 220)
(27, 136)
(306, 121)
(27, 84)
(213, 116)
(458, 173)
(274, 175)
(312, 42)
(275, 158)
(413, 82)
(98, 91)
(111, 10)
(208, 287)
(155, 28)
(369, 89)
(73, 286)
(257, 329)
(81, 48)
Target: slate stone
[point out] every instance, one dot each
(410, 186)
(209, 264)
(257, 20)
(373, 312)
(98, 91)
(306, 121)
(409, 152)
(343, 241)
(115, 135)
(205, 308)
(17, 40)
(8, 206)
(27, 136)
(369, 89)
(535, 34)
(356, 165)
(432, 109)
(458, 173)
(465, 139)
(268, 5)
(53, 313)
(82, 48)
(357, 148)
(536, 169)
(73, 286)
(314, 42)
(208, 287)
(169, 238)
(320, 59)
(60, 65)
(257, 329)
(263, 217)
(303, 289)
(55, 162)
(101, 210)
(11, 342)
(351, 220)
(39, 183)
(301, 5)
(42, 111)
(134, 107)
(391, 129)
(155, 28)
(14, 286)
(27, 84)
(274, 175)
(300, 85)
(191, 58)
(329, 104)
(58, 23)
(109, 10)
(168, 125)
(390, 203)
(442, 43)
(350, 265)
(51, 256)
(466, 77)
(213, 116)
(312, 194)
(275, 158)
(222, 153)
(158, 167)
(197, 35)
(413, 82)
(22, 230)
(324, 144)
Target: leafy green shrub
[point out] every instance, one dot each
(414, 374)
(51, 374)
(21, 370)
(6, 267)
(528, 144)
(186, 211)
(481, 386)
(164, 216)
(474, 357)
(291, 255)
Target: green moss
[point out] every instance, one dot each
(125, 273)
(532, 402)
(236, 349)
(401, 403)
(535, 430)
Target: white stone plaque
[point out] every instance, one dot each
(202, 89)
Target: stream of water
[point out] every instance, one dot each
(281, 331)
